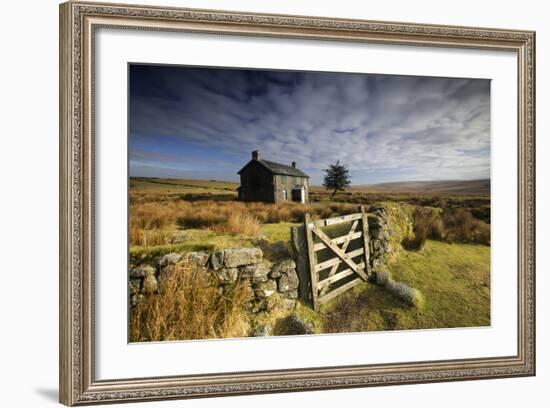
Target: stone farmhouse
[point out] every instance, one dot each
(270, 182)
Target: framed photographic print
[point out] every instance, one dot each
(258, 203)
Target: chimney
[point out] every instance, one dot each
(294, 164)
(256, 155)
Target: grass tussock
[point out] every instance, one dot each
(239, 223)
(189, 306)
(462, 226)
(450, 225)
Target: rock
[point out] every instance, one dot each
(166, 273)
(134, 285)
(247, 271)
(291, 294)
(376, 261)
(261, 271)
(379, 248)
(288, 281)
(197, 258)
(382, 276)
(242, 256)
(279, 250)
(168, 259)
(262, 331)
(290, 303)
(265, 289)
(409, 295)
(378, 209)
(142, 271)
(135, 299)
(282, 267)
(381, 234)
(296, 325)
(216, 260)
(227, 275)
(150, 285)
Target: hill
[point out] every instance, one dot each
(182, 186)
(430, 187)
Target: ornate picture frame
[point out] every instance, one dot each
(78, 24)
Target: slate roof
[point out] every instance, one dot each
(278, 168)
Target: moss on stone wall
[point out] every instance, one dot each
(389, 224)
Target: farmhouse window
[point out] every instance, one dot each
(293, 179)
(283, 179)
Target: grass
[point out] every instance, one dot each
(189, 306)
(156, 219)
(194, 215)
(207, 240)
(455, 282)
(182, 186)
(449, 224)
(277, 232)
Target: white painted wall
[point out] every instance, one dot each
(28, 209)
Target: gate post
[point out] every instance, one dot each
(299, 245)
(312, 261)
(365, 225)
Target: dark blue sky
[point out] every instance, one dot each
(203, 123)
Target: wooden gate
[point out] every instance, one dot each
(338, 259)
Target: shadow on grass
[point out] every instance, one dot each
(367, 308)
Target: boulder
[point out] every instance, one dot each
(378, 209)
(380, 234)
(142, 271)
(247, 271)
(262, 331)
(168, 259)
(376, 261)
(134, 286)
(197, 258)
(291, 294)
(409, 295)
(288, 281)
(265, 289)
(135, 299)
(279, 250)
(297, 325)
(166, 272)
(282, 267)
(260, 272)
(242, 256)
(227, 275)
(216, 260)
(382, 276)
(150, 285)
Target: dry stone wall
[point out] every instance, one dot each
(265, 277)
(389, 224)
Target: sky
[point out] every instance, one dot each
(203, 123)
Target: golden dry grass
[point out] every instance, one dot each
(239, 223)
(151, 218)
(189, 306)
(450, 225)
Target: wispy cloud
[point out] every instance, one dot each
(382, 127)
